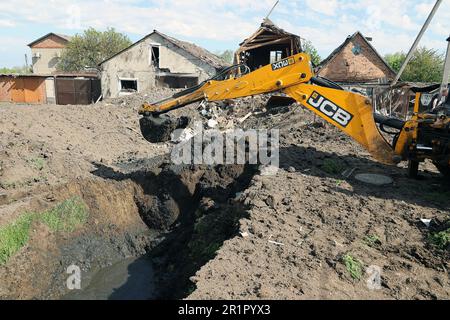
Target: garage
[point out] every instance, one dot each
(22, 89)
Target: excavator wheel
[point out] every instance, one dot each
(159, 129)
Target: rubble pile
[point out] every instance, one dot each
(135, 100)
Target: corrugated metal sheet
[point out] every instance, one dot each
(22, 89)
(5, 89)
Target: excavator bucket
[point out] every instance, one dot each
(157, 129)
(276, 102)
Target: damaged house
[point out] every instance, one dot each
(356, 64)
(267, 45)
(157, 60)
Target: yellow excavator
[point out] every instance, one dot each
(425, 136)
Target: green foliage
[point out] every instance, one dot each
(437, 197)
(353, 266)
(309, 48)
(332, 166)
(395, 60)
(426, 65)
(440, 239)
(227, 55)
(16, 70)
(65, 217)
(91, 48)
(14, 236)
(372, 241)
(38, 163)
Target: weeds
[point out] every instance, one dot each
(211, 250)
(440, 239)
(339, 183)
(437, 197)
(332, 166)
(354, 266)
(372, 241)
(65, 217)
(14, 236)
(38, 163)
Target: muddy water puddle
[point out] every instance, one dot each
(129, 279)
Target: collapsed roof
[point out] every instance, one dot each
(256, 50)
(194, 50)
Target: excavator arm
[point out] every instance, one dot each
(350, 112)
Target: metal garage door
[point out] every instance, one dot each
(77, 91)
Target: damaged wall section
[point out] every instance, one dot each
(267, 45)
(157, 60)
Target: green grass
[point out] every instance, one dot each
(437, 197)
(332, 166)
(38, 163)
(440, 239)
(65, 217)
(211, 250)
(14, 236)
(353, 266)
(372, 241)
(339, 182)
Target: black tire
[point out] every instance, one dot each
(413, 169)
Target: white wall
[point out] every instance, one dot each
(135, 63)
(46, 64)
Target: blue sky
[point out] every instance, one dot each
(222, 24)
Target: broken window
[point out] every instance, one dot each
(155, 56)
(177, 82)
(128, 85)
(275, 56)
(357, 50)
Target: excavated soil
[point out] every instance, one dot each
(304, 221)
(224, 232)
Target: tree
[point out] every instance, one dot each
(426, 65)
(309, 48)
(91, 48)
(227, 55)
(16, 70)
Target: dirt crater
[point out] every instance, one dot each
(178, 216)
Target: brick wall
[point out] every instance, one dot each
(51, 42)
(347, 66)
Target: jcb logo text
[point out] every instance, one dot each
(330, 109)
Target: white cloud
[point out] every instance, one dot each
(327, 7)
(6, 23)
(393, 24)
(195, 18)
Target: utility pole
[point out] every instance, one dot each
(26, 61)
(273, 8)
(417, 41)
(443, 94)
